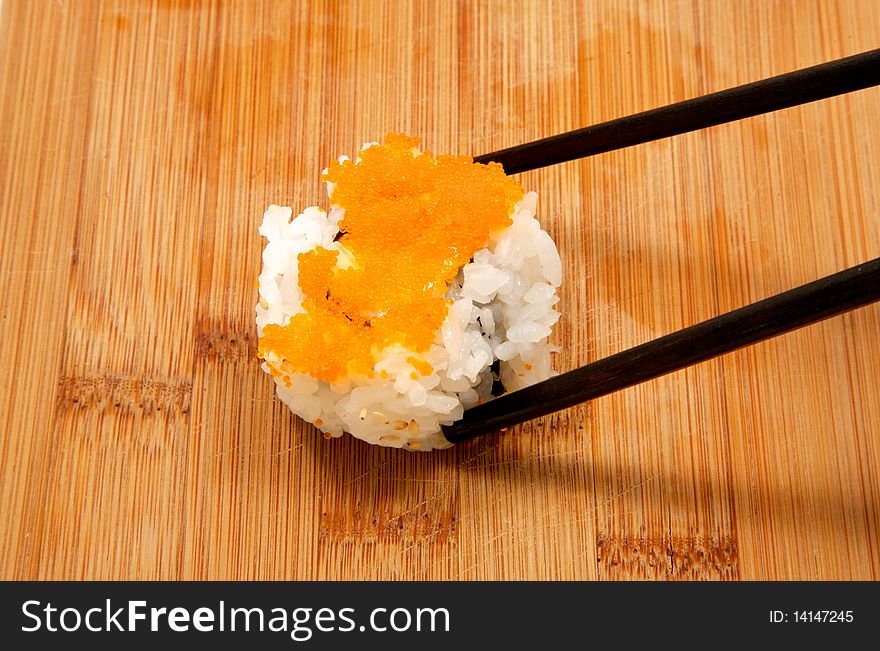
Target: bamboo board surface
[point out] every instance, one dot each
(140, 143)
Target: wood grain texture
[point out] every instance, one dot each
(140, 143)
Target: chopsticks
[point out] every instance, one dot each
(799, 87)
(796, 308)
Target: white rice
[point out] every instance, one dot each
(502, 310)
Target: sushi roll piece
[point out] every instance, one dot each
(429, 287)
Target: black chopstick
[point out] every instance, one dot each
(821, 299)
(793, 88)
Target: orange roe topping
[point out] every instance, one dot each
(410, 223)
(420, 365)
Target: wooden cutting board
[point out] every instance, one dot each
(140, 143)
